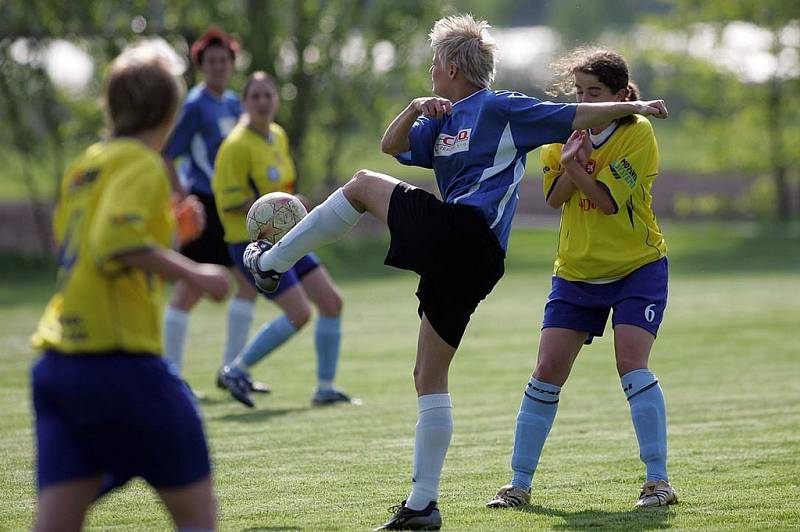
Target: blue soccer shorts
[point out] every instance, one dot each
(638, 299)
(293, 276)
(118, 415)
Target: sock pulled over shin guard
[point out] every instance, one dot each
(649, 415)
(326, 223)
(434, 430)
(327, 339)
(269, 338)
(536, 414)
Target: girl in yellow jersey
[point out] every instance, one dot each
(107, 408)
(254, 160)
(611, 257)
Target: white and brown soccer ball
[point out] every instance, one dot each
(273, 215)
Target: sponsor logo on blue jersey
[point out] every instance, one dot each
(447, 145)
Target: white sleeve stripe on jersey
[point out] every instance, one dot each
(519, 172)
(505, 154)
(200, 155)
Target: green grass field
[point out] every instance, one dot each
(727, 358)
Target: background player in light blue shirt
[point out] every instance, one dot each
(476, 147)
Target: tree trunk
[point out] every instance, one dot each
(303, 106)
(777, 162)
(23, 142)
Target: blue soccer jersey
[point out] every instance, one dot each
(478, 152)
(204, 123)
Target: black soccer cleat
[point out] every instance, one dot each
(405, 518)
(332, 397)
(255, 386)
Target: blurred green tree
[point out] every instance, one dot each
(341, 66)
(749, 119)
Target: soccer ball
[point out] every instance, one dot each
(273, 215)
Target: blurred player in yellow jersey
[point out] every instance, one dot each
(254, 160)
(611, 257)
(107, 408)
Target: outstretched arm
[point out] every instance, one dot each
(168, 264)
(395, 139)
(589, 115)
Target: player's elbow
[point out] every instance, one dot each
(608, 208)
(554, 202)
(386, 147)
(390, 148)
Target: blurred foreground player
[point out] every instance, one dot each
(107, 408)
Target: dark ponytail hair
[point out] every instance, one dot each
(610, 68)
(633, 92)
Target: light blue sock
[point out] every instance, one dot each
(327, 338)
(240, 317)
(536, 415)
(176, 324)
(649, 415)
(269, 338)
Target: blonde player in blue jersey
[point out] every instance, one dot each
(253, 161)
(107, 407)
(476, 140)
(611, 258)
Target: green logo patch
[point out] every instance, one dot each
(622, 169)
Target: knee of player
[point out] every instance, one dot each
(355, 189)
(417, 375)
(299, 317)
(357, 183)
(549, 371)
(332, 305)
(627, 362)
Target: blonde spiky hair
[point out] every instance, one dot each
(466, 43)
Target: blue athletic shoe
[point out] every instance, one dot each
(238, 383)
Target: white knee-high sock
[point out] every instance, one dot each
(240, 317)
(434, 430)
(176, 323)
(326, 223)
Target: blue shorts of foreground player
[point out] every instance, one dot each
(303, 267)
(638, 299)
(119, 415)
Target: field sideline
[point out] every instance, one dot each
(727, 359)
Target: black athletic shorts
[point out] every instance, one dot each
(455, 253)
(210, 246)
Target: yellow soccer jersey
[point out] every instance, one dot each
(593, 246)
(247, 167)
(114, 198)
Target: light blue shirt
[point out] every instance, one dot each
(204, 122)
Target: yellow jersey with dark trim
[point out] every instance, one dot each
(593, 246)
(248, 166)
(113, 199)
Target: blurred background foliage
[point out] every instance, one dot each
(729, 70)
